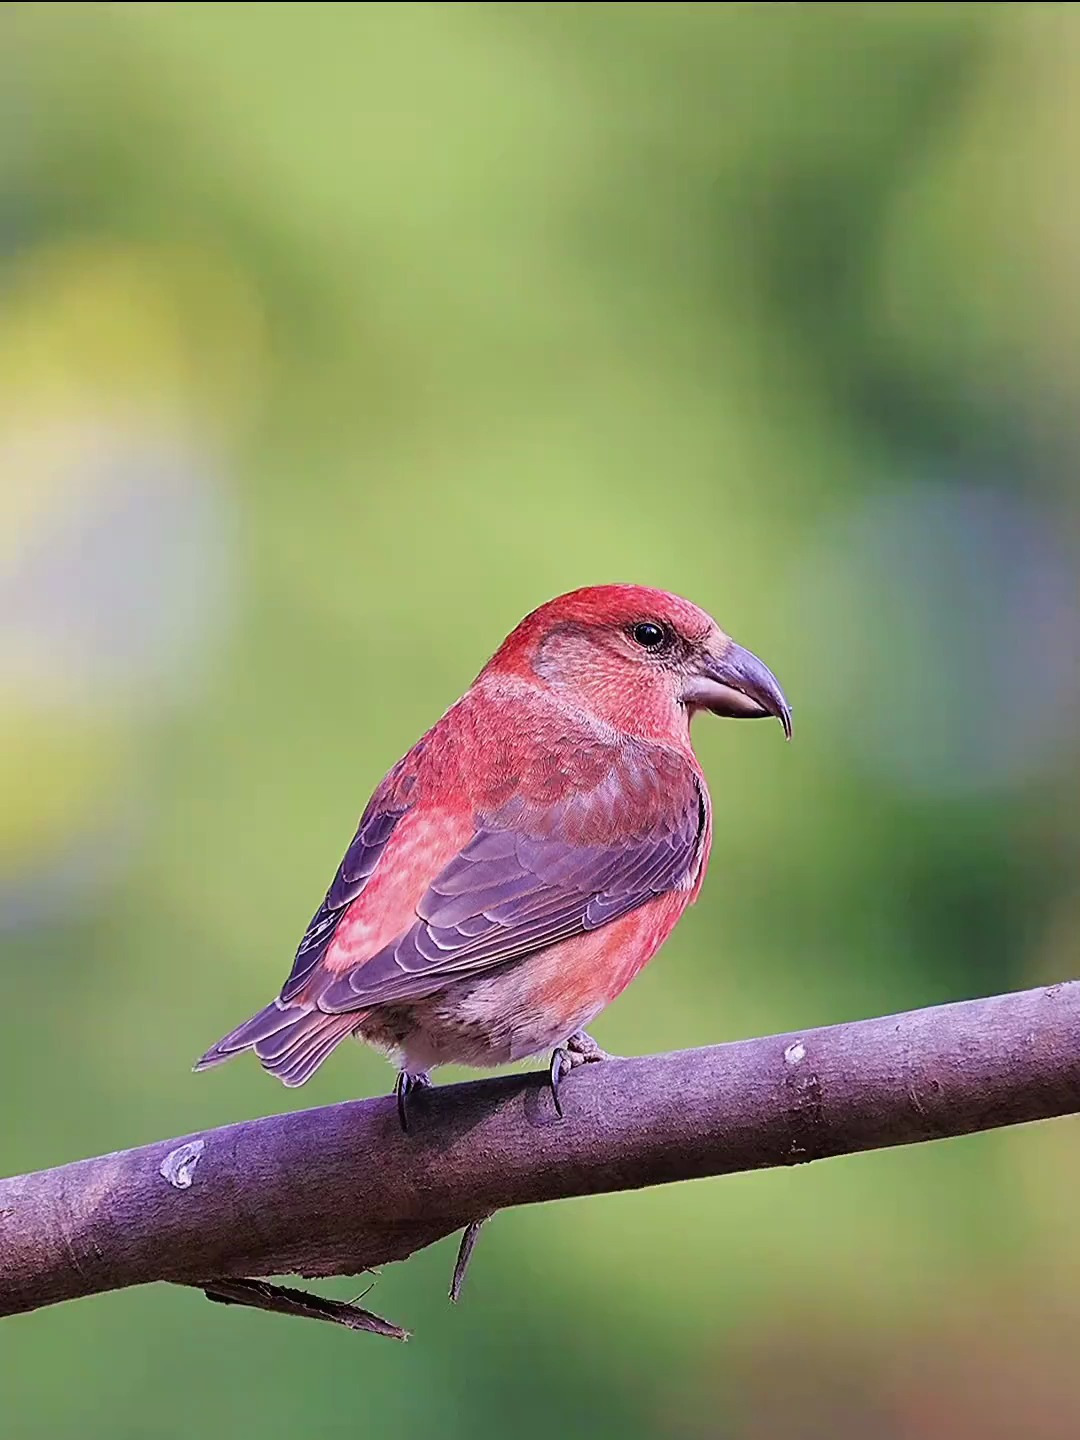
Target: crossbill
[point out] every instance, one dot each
(515, 871)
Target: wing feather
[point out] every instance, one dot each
(520, 887)
(356, 869)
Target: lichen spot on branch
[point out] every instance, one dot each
(178, 1167)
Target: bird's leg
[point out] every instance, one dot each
(578, 1049)
(407, 1082)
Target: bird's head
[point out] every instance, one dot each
(642, 660)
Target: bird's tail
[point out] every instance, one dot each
(290, 1041)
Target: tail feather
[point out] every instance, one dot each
(291, 1042)
(300, 1061)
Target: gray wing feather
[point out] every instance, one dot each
(508, 894)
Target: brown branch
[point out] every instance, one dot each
(262, 1296)
(465, 1251)
(340, 1190)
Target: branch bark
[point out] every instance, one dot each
(340, 1190)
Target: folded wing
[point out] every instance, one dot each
(521, 886)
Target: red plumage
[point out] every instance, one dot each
(516, 869)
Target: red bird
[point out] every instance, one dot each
(529, 855)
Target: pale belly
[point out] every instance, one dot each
(528, 1007)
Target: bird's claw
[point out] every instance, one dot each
(407, 1082)
(578, 1049)
(561, 1065)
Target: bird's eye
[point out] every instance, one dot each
(648, 635)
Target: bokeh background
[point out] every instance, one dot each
(334, 338)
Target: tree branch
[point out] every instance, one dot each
(341, 1190)
(262, 1296)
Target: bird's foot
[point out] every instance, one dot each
(585, 1049)
(579, 1049)
(407, 1082)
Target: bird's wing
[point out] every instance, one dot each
(366, 849)
(531, 876)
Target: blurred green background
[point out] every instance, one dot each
(334, 338)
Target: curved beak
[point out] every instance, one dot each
(738, 686)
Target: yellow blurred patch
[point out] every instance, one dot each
(173, 334)
(55, 776)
